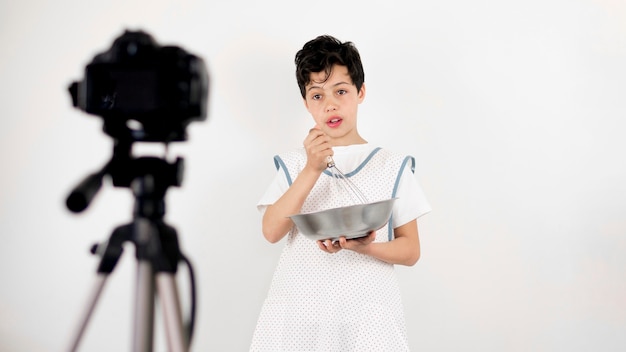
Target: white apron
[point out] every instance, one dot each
(335, 302)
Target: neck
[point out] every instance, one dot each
(348, 141)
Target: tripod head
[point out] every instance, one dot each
(156, 175)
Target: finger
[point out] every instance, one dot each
(318, 145)
(333, 246)
(314, 133)
(321, 146)
(343, 242)
(320, 142)
(322, 246)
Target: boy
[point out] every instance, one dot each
(342, 295)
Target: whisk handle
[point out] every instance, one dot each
(330, 162)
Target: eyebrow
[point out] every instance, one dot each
(334, 85)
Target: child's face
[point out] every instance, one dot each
(333, 103)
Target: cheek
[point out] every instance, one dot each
(313, 108)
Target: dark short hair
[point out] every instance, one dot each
(321, 53)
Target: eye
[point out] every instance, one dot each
(342, 92)
(316, 97)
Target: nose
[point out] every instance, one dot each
(330, 105)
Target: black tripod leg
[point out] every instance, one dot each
(91, 304)
(144, 307)
(144, 235)
(157, 255)
(166, 263)
(170, 305)
(110, 253)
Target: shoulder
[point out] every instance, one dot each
(394, 156)
(395, 153)
(293, 154)
(290, 159)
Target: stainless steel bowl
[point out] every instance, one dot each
(351, 221)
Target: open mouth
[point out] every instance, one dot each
(334, 122)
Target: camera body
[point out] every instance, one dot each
(143, 91)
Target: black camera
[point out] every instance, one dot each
(144, 91)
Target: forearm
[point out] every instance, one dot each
(400, 251)
(404, 249)
(276, 221)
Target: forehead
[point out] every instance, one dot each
(338, 74)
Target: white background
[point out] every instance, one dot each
(514, 111)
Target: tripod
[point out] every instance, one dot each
(156, 243)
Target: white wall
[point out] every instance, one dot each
(514, 111)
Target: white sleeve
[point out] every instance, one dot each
(274, 191)
(411, 202)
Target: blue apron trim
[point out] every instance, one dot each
(281, 164)
(395, 190)
(362, 165)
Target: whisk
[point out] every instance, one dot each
(345, 182)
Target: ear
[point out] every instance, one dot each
(362, 93)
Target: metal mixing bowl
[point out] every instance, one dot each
(351, 221)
